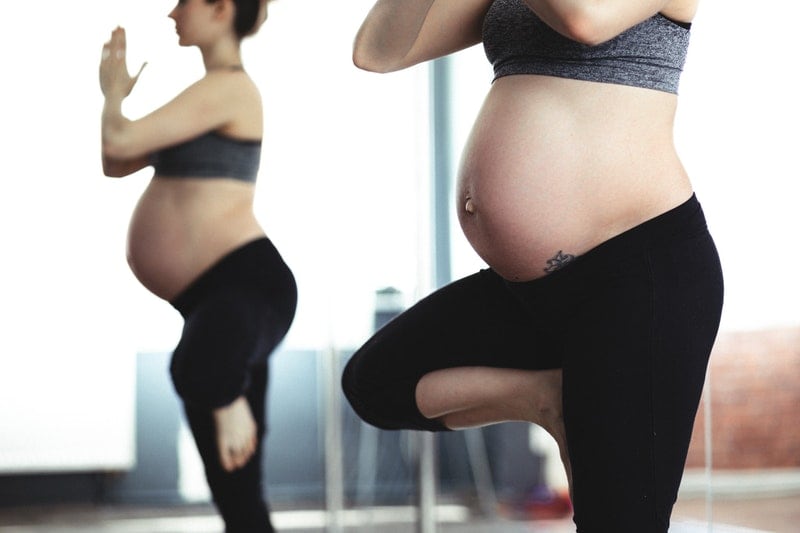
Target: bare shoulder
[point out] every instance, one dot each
(236, 91)
(226, 81)
(229, 90)
(396, 35)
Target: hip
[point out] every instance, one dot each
(672, 255)
(255, 269)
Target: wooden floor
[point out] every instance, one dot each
(776, 515)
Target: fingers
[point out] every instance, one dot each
(116, 45)
(118, 42)
(118, 36)
(123, 40)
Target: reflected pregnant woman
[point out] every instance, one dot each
(195, 242)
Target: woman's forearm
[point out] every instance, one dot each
(113, 124)
(117, 168)
(593, 21)
(388, 33)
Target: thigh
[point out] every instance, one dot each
(475, 321)
(633, 376)
(227, 334)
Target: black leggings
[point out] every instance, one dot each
(631, 323)
(235, 314)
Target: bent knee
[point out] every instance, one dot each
(188, 384)
(203, 387)
(367, 397)
(359, 395)
(385, 403)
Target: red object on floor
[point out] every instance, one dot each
(552, 507)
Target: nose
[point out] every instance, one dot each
(174, 13)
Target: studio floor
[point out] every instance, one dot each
(775, 515)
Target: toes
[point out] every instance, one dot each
(233, 457)
(243, 457)
(237, 459)
(230, 459)
(236, 434)
(226, 459)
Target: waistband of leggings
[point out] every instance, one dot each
(680, 222)
(255, 262)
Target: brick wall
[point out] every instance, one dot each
(755, 402)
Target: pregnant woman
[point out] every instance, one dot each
(598, 311)
(195, 242)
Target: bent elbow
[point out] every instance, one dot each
(112, 168)
(115, 147)
(375, 58)
(369, 62)
(118, 141)
(362, 61)
(109, 150)
(112, 172)
(586, 27)
(114, 160)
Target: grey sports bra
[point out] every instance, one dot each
(210, 155)
(650, 54)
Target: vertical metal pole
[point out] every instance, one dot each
(441, 111)
(334, 462)
(709, 455)
(440, 254)
(481, 471)
(426, 482)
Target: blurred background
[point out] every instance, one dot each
(354, 191)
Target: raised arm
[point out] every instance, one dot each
(209, 104)
(116, 84)
(596, 21)
(400, 33)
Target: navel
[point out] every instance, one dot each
(469, 206)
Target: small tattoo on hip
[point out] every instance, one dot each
(558, 261)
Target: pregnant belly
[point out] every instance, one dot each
(161, 253)
(524, 231)
(543, 180)
(171, 241)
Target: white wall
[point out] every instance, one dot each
(738, 134)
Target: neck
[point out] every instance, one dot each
(225, 67)
(224, 55)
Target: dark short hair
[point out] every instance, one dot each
(246, 16)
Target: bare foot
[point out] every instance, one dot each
(546, 411)
(554, 425)
(465, 397)
(236, 434)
